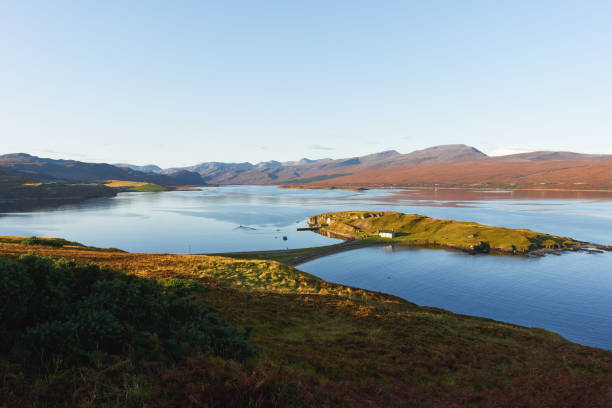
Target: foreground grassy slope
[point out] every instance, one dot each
(321, 344)
(422, 230)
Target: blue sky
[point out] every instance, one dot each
(177, 83)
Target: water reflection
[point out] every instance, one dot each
(568, 294)
(205, 220)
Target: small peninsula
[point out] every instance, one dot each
(419, 230)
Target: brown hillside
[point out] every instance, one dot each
(493, 172)
(321, 345)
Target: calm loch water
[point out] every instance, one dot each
(569, 294)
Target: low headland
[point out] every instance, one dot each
(422, 231)
(297, 256)
(360, 229)
(85, 326)
(21, 193)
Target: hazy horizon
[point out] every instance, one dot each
(238, 81)
(500, 152)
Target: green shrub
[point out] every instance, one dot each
(57, 308)
(54, 242)
(182, 286)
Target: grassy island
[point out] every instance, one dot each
(420, 230)
(84, 326)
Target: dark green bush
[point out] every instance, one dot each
(182, 286)
(54, 242)
(57, 308)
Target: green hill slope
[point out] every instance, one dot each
(320, 344)
(421, 230)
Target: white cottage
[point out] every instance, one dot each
(386, 234)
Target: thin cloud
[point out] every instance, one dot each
(58, 154)
(258, 147)
(503, 151)
(319, 147)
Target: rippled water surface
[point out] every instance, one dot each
(570, 294)
(210, 219)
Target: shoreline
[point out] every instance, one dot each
(29, 203)
(431, 188)
(304, 324)
(421, 231)
(298, 256)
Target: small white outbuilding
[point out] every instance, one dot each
(386, 234)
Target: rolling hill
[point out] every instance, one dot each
(19, 192)
(76, 171)
(458, 166)
(450, 166)
(488, 173)
(274, 172)
(149, 168)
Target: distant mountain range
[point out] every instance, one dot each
(274, 172)
(76, 171)
(149, 168)
(455, 165)
(448, 165)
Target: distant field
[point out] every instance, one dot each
(135, 185)
(123, 183)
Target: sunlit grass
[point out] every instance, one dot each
(324, 344)
(140, 186)
(418, 229)
(123, 183)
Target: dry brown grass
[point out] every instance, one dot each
(324, 344)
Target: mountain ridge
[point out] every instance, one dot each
(454, 165)
(273, 172)
(73, 170)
